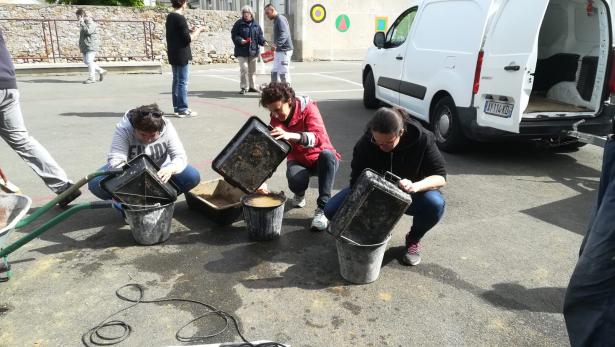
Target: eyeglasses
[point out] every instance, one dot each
(388, 143)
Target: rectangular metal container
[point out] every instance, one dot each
(371, 210)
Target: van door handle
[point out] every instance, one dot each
(512, 68)
(399, 57)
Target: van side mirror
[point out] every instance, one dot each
(379, 39)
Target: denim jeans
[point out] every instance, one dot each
(426, 208)
(589, 305)
(180, 88)
(299, 176)
(185, 181)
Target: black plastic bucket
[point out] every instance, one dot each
(264, 223)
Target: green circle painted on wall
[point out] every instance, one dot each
(342, 23)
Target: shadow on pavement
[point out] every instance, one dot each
(219, 94)
(49, 80)
(510, 296)
(93, 114)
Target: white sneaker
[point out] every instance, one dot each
(320, 222)
(298, 201)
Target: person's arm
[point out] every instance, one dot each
(237, 39)
(359, 161)
(118, 154)
(88, 26)
(177, 153)
(432, 168)
(283, 32)
(183, 30)
(428, 183)
(260, 37)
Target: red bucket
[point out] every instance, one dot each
(267, 56)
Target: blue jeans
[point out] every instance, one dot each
(589, 305)
(185, 181)
(180, 88)
(299, 176)
(427, 209)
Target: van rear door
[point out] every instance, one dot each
(510, 53)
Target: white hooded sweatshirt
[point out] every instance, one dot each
(166, 150)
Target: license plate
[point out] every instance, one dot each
(499, 109)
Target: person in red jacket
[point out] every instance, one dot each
(297, 119)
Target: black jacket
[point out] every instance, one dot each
(243, 30)
(178, 39)
(415, 157)
(7, 70)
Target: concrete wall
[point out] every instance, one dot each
(119, 41)
(324, 41)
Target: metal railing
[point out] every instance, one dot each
(52, 46)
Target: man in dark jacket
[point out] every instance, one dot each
(179, 36)
(396, 143)
(14, 132)
(247, 36)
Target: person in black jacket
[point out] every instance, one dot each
(179, 36)
(396, 143)
(247, 36)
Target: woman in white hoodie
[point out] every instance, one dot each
(145, 130)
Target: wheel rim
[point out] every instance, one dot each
(444, 123)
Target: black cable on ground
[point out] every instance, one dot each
(96, 337)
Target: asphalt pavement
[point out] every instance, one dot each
(494, 271)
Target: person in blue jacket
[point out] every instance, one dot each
(247, 36)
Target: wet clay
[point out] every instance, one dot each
(263, 201)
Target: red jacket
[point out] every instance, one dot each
(306, 120)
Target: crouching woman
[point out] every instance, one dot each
(145, 130)
(396, 143)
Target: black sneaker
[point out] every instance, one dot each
(243, 91)
(253, 90)
(67, 200)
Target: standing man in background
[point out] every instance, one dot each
(179, 36)
(282, 45)
(88, 45)
(14, 132)
(247, 36)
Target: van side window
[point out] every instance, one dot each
(398, 32)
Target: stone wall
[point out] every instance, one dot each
(120, 41)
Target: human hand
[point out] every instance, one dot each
(407, 186)
(165, 173)
(281, 134)
(263, 189)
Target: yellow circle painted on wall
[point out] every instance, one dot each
(318, 13)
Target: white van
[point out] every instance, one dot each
(485, 69)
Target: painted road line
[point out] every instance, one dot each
(339, 79)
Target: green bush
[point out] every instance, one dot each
(132, 3)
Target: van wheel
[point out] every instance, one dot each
(369, 91)
(446, 126)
